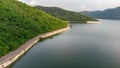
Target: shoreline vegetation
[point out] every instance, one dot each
(85, 22)
(65, 14)
(10, 58)
(20, 22)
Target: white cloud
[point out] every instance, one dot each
(83, 8)
(29, 2)
(33, 2)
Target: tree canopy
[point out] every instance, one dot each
(19, 23)
(65, 14)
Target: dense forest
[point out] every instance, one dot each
(19, 23)
(65, 14)
(113, 13)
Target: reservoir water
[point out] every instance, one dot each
(83, 46)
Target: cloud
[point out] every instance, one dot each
(33, 2)
(76, 5)
(29, 2)
(83, 8)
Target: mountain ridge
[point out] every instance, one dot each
(65, 14)
(112, 13)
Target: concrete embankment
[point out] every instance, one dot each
(13, 56)
(93, 22)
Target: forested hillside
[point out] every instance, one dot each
(113, 13)
(19, 23)
(65, 14)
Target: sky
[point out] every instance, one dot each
(76, 5)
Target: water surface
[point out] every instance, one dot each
(83, 46)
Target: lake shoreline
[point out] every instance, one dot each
(85, 22)
(10, 58)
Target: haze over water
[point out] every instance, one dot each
(83, 46)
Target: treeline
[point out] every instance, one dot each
(65, 14)
(113, 13)
(19, 23)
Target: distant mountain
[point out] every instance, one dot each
(65, 14)
(20, 22)
(113, 13)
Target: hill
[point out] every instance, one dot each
(65, 14)
(19, 23)
(113, 13)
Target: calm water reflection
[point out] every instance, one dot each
(84, 46)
